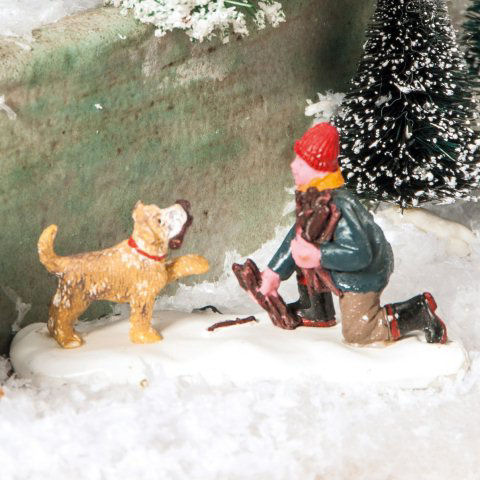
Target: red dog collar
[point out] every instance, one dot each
(132, 243)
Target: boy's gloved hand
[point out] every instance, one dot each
(305, 254)
(270, 283)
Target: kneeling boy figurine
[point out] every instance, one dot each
(354, 260)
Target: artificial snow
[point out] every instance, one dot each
(304, 428)
(239, 354)
(19, 17)
(8, 110)
(21, 307)
(326, 107)
(203, 19)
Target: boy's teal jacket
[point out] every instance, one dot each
(359, 258)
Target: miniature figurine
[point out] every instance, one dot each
(134, 272)
(336, 244)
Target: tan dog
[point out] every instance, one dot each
(134, 272)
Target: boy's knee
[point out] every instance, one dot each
(356, 333)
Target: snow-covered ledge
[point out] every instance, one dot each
(459, 238)
(21, 17)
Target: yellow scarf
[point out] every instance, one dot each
(332, 180)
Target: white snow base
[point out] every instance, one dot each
(240, 354)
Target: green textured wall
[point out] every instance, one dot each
(208, 122)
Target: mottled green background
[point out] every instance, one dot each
(209, 122)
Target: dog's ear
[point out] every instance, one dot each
(138, 211)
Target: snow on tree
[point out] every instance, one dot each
(471, 38)
(406, 122)
(203, 19)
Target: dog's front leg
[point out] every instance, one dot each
(141, 330)
(185, 266)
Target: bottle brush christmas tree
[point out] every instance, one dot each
(406, 122)
(471, 38)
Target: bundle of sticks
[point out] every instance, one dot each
(250, 279)
(317, 218)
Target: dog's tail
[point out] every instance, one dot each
(47, 255)
(186, 265)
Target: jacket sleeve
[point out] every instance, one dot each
(350, 249)
(282, 262)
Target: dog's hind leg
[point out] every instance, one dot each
(141, 330)
(63, 313)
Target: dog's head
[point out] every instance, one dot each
(161, 228)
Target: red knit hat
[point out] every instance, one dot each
(319, 147)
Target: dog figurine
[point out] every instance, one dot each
(134, 272)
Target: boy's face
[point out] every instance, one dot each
(303, 173)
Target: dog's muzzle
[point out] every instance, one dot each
(180, 224)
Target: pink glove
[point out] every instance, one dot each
(270, 283)
(305, 254)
